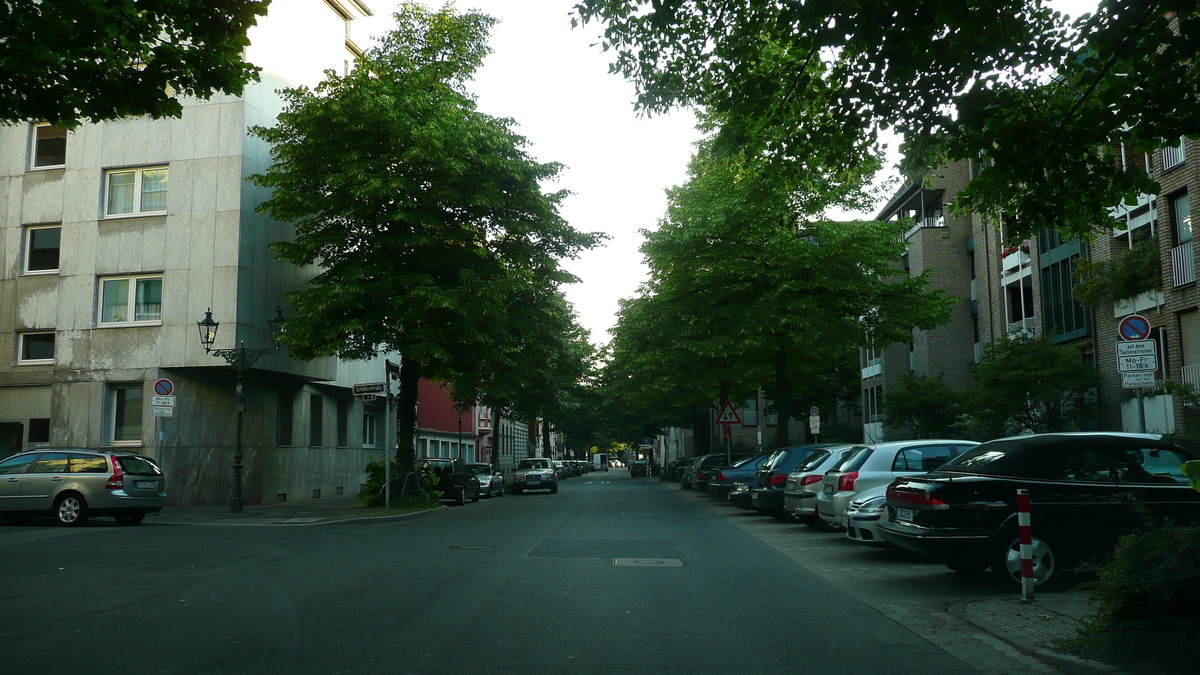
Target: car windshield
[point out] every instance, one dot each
(533, 464)
(856, 453)
(812, 461)
(479, 468)
(744, 461)
(139, 466)
(995, 458)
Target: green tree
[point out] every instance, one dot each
(1036, 99)
(67, 61)
(423, 216)
(924, 406)
(1031, 384)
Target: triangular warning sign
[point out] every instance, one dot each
(728, 415)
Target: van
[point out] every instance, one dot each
(600, 461)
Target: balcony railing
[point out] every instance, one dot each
(1183, 264)
(1024, 325)
(1173, 156)
(1190, 375)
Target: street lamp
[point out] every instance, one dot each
(241, 359)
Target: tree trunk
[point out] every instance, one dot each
(531, 433)
(783, 401)
(701, 431)
(406, 414)
(546, 437)
(496, 438)
(723, 443)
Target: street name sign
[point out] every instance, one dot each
(1137, 379)
(370, 388)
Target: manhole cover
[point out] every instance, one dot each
(647, 562)
(475, 547)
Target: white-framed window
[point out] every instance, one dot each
(140, 191)
(370, 422)
(41, 248)
(125, 413)
(34, 349)
(130, 300)
(48, 147)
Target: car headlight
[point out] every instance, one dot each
(872, 504)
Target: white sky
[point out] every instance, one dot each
(556, 85)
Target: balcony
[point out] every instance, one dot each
(1173, 156)
(1190, 375)
(1022, 326)
(1183, 264)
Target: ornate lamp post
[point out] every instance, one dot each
(241, 359)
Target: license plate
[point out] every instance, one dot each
(829, 488)
(904, 514)
(145, 484)
(534, 480)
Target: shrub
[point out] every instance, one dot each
(1146, 605)
(422, 494)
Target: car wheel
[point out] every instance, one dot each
(461, 499)
(1007, 563)
(71, 510)
(554, 489)
(130, 519)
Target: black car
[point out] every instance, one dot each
(639, 467)
(741, 472)
(1086, 490)
(456, 481)
(770, 480)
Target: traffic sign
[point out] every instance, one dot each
(814, 411)
(162, 411)
(370, 388)
(1133, 364)
(1138, 379)
(726, 431)
(164, 387)
(1137, 348)
(1134, 327)
(814, 424)
(368, 397)
(728, 415)
(168, 401)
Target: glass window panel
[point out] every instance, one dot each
(154, 190)
(51, 462)
(1183, 218)
(120, 193)
(127, 414)
(16, 465)
(39, 430)
(50, 146)
(148, 303)
(114, 301)
(88, 464)
(43, 249)
(37, 347)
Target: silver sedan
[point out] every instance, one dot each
(491, 481)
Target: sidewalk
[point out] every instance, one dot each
(330, 511)
(1036, 628)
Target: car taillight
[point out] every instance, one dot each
(923, 499)
(719, 477)
(776, 480)
(811, 478)
(117, 480)
(846, 481)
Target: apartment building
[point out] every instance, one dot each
(119, 236)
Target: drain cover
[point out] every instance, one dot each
(647, 562)
(475, 547)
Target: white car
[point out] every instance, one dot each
(864, 513)
(868, 466)
(804, 483)
(491, 481)
(535, 473)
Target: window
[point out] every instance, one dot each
(922, 458)
(343, 423)
(135, 191)
(51, 462)
(16, 465)
(369, 424)
(126, 414)
(49, 146)
(36, 348)
(118, 295)
(1181, 217)
(316, 420)
(39, 431)
(41, 248)
(80, 463)
(283, 432)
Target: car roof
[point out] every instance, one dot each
(917, 441)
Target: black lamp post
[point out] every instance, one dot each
(241, 359)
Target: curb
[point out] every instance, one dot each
(1071, 665)
(354, 520)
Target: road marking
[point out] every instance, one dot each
(647, 562)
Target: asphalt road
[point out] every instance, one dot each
(610, 575)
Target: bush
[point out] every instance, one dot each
(422, 494)
(1146, 605)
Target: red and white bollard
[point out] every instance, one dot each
(1025, 534)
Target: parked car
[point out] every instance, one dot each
(740, 496)
(675, 468)
(769, 482)
(1085, 491)
(703, 469)
(741, 472)
(600, 461)
(804, 483)
(456, 481)
(74, 485)
(868, 466)
(535, 473)
(560, 469)
(491, 481)
(639, 467)
(863, 515)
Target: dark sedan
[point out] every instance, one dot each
(740, 473)
(1086, 490)
(770, 481)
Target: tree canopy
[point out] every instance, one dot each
(1038, 100)
(69, 61)
(424, 217)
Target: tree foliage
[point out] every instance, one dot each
(922, 406)
(1038, 100)
(425, 218)
(1033, 385)
(67, 61)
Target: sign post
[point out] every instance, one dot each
(814, 423)
(1137, 360)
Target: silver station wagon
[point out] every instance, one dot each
(74, 485)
